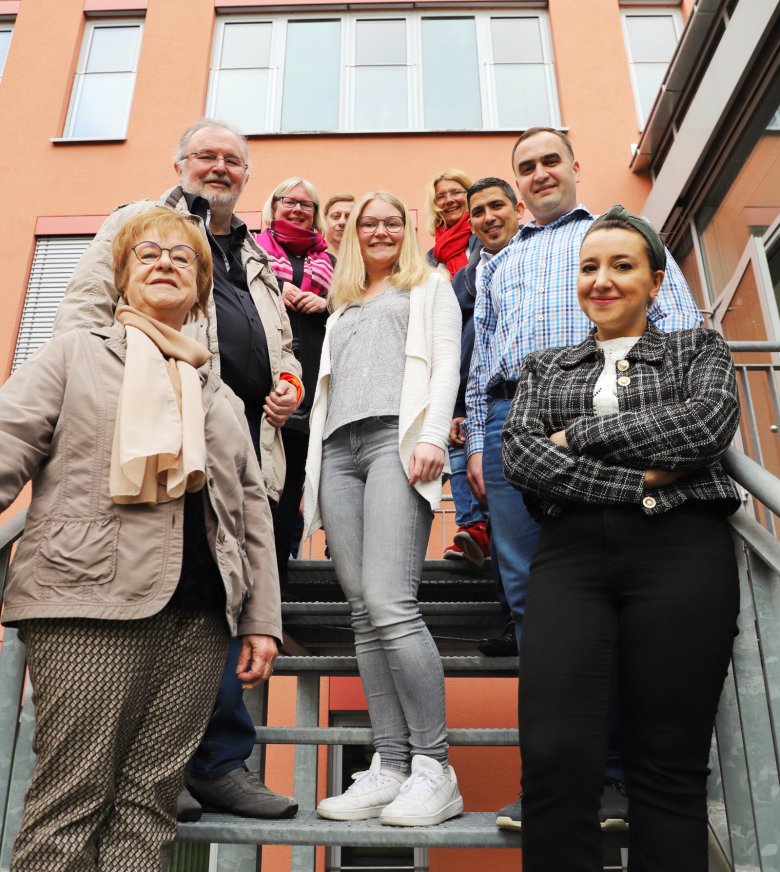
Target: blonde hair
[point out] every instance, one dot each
(284, 188)
(350, 276)
(164, 222)
(434, 212)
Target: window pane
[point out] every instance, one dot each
(103, 105)
(5, 41)
(113, 49)
(449, 66)
(648, 79)
(380, 42)
(242, 97)
(246, 45)
(380, 98)
(516, 39)
(521, 95)
(651, 37)
(311, 76)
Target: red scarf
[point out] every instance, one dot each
(451, 243)
(284, 236)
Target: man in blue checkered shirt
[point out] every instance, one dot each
(527, 301)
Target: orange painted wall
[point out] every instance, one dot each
(92, 178)
(47, 179)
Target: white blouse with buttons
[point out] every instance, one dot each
(615, 375)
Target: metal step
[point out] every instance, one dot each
(481, 736)
(470, 830)
(454, 666)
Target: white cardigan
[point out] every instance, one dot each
(430, 386)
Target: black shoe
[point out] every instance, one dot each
(613, 813)
(242, 793)
(510, 817)
(504, 646)
(188, 809)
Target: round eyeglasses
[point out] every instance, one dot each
(371, 225)
(150, 252)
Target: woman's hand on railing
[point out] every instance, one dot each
(256, 660)
(426, 462)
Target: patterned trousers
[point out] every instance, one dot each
(120, 709)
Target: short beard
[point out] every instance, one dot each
(221, 203)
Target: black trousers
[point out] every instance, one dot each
(285, 512)
(651, 603)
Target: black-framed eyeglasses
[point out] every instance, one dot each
(149, 252)
(371, 225)
(291, 203)
(209, 157)
(456, 193)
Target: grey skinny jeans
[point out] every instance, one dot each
(377, 528)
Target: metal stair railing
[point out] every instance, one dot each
(744, 786)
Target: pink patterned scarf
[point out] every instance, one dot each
(283, 237)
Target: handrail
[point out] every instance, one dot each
(752, 476)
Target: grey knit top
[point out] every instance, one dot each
(368, 357)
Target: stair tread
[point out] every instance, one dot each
(454, 664)
(472, 829)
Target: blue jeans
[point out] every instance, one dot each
(515, 534)
(230, 735)
(378, 528)
(467, 510)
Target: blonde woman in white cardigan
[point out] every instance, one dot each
(378, 449)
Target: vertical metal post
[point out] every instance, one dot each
(307, 714)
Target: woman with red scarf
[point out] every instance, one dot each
(449, 220)
(298, 256)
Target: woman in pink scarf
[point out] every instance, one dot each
(298, 256)
(449, 220)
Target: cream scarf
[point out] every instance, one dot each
(159, 449)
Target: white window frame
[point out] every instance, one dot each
(346, 92)
(6, 26)
(81, 74)
(648, 11)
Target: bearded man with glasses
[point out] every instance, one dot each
(248, 332)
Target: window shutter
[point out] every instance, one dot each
(53, 264)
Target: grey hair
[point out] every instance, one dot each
(202, 124)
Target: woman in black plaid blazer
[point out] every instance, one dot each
(616, 444)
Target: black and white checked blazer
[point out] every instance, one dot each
(678, 411)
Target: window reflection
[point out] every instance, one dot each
(5, 41)
(650, 40)
(311, 76)
(450, 66)
(104, 83)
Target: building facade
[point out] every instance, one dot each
(672, 108)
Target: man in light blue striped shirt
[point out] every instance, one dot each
(527, 301)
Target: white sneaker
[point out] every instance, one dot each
(364, 799)
(429, 796)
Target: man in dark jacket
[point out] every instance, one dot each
(495, 218)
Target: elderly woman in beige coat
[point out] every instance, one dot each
(148, 544)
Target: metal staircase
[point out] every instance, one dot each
(744, 787)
